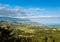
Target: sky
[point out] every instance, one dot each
(43, 11)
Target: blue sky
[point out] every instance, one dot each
(33, 3)
(36, 10)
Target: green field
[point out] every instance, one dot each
(24, 32)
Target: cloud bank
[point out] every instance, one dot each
(9, 11)
(20, 12)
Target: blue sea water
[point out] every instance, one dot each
(53, 25)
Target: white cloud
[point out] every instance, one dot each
(6, 10)
(20, 12)
(10, 11)
(36, 17)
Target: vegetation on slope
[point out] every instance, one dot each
(24, 32)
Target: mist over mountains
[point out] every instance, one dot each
(21, 20)
(14, 19)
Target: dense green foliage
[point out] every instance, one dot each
(28, 32)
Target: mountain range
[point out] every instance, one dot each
(19, 20)
(14, 19)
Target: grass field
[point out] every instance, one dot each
(23, 33)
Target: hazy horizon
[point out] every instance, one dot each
(42, 11)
